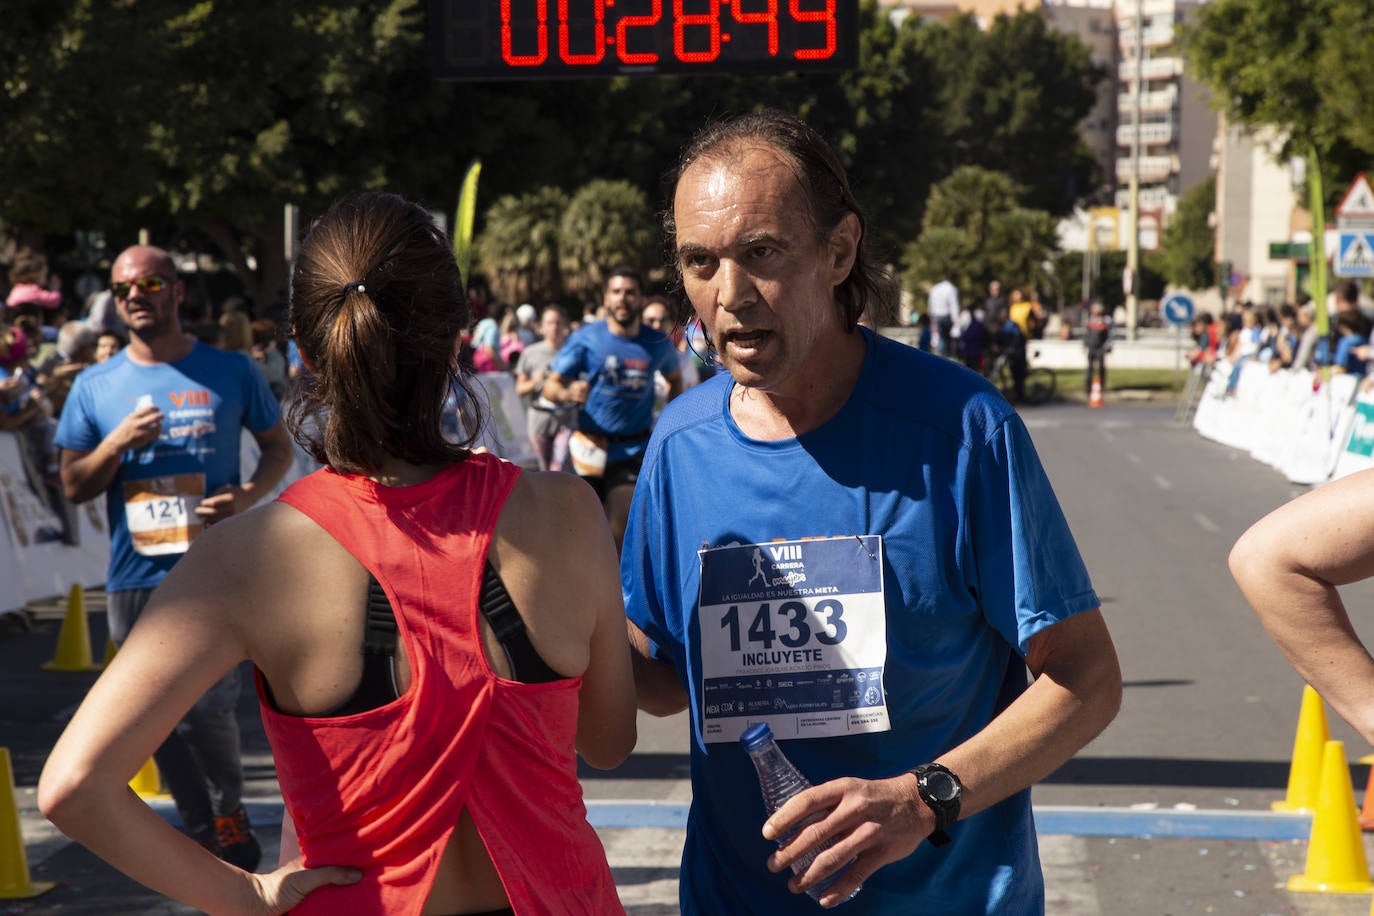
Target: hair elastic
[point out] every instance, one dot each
(355, 285)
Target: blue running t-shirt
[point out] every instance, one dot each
(621, 371)
(206, 398)
(869, 588)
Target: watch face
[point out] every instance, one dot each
(941, 786)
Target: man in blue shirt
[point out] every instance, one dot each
(157, 429)
(854, 542)
(607, 368)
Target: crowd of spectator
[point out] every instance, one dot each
(48, 336)
(1287, 337)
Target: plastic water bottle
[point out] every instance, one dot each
(780, 780)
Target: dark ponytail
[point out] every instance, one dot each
(377, 307)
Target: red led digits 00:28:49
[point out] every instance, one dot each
(531, 21)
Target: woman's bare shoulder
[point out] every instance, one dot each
(258, 552)
(550, 510)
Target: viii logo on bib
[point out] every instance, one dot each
(793, 633)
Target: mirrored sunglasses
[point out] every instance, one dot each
(152, 283)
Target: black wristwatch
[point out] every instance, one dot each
(942, 791)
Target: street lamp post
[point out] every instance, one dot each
(1132, 278)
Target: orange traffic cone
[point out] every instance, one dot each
(74, 639)
(1367, 811)
(1095, 396)
(15, 883)
(1336, 862)
(1304, 774)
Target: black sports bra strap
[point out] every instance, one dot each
(526, 664)
(378, 684)
(381, 633)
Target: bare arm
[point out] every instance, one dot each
(86, 475)
(12, 421)
(660, 690)
(561, 391)
(1076, 692)
(190, 634)
(674, 380)
(526, 384)
(1288, 566)
(553, 549)
(276, 460)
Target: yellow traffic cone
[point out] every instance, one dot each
(1305, 772)
(74, 641)
(1095, 396)
(1335, 853)
(147, 783)
(15, 883)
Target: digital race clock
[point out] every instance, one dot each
(545, 39)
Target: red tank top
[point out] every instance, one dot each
(383, 789)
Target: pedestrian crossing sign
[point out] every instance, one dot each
(1358, 199)
(1355, 255)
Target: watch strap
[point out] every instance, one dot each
(946, 812)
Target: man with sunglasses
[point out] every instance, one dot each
(157, 430)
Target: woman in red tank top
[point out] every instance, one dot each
(436, 634)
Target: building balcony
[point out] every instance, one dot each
(1156, 198)
(1151, 37)
(1160, 100)
(1152, 168)
(1154, 134)
(1154, 68)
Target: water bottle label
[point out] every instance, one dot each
(793, 633)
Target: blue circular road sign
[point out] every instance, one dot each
(1177, 309)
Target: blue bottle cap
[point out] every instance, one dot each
(756, 736)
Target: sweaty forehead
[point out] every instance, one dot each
(738, 190)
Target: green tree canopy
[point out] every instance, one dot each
(519, 248)
(208, 117)
(1190, 241)
(1300, 69)
(976, 231)
(607, 224)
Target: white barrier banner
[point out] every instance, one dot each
(504, 433)
(36, 563)
(1358, 451)
(1321, 432)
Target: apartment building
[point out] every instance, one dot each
(1262, 230)
(1177, 125)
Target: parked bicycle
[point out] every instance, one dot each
(1041, 381)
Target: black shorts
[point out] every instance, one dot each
(617, 473)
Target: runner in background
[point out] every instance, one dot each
(156, 429)
(607, 369)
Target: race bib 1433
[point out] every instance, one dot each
(793, 633)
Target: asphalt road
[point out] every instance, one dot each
(1205, 733)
